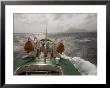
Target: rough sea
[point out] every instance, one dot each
(81, 46)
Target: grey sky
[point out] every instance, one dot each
(34, 23)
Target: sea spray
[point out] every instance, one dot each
(83, 66)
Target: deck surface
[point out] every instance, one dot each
(67, 66)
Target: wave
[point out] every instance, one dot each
(17, 48)
(83, 66)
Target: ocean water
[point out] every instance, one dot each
(81, 44)
(83, 66)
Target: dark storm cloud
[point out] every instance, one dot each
(56, 22)
(91, 22)
(58, 16)
(61, 16)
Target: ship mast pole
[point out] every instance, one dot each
(46, 31)
(46, 43)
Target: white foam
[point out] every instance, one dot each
(83, 66)
(17, 48)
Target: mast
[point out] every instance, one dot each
(46, 32)
(46, 43)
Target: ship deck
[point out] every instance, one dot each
(67, 67)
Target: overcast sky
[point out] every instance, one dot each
(34, 23)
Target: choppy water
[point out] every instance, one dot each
(83, 66)
(83, 45)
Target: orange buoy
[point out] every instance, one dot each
(28, 47)
(60, 48)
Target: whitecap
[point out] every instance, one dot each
(83, 66)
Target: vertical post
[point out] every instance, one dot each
(46, 43)
(46, 31)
